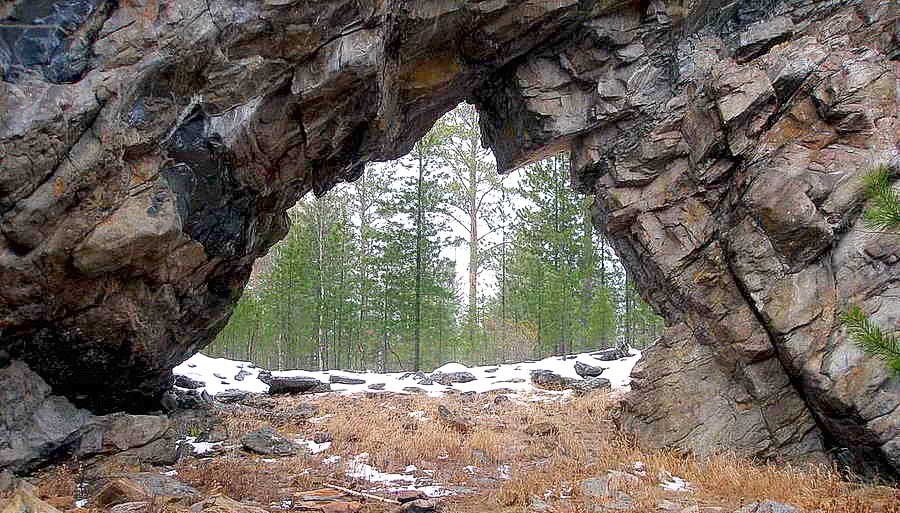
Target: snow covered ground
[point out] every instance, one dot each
(220, 374)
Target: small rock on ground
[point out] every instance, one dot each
(268, 442)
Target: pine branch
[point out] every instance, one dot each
(884, 212)
(871, 338)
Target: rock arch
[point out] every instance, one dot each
(149, 151)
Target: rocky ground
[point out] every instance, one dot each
(500, 450)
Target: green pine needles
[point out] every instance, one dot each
(884, 212)
(871, 338)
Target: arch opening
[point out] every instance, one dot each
(150, 154)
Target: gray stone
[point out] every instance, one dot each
(588, 371)
(551, 381)
(160, 485)
(611, 354)
(231, 396)
(34, 424)
(449, 378)
(268, 442)
(345, 380)
(592, 384)
(293, 384)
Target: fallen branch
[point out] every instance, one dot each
(360, 494)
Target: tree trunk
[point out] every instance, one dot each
(418, 319)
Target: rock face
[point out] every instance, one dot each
(37, 426)
(150, 149)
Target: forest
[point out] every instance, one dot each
(436, 257)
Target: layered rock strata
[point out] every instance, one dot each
(149, 151)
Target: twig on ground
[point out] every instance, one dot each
(361, 494)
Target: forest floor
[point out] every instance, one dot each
(475, 453)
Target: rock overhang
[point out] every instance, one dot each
(139, 190)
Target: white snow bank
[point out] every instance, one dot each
(220, 374)
(448, 368)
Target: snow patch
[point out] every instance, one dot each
(359, 468)
(515, 378)
(200, 448)
(672, 483)
(312, 446)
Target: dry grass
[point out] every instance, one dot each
(582, 443)
(250, 479)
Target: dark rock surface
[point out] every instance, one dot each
(449, 378)
(37, 427)
(611, 354)
(293, 384)
(149, 155)
(588, 371)
(345, 380)
(186, 382)
(550, 380)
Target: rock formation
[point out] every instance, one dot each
(149, 151)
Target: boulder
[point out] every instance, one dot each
(268, 442)
(120, 491)
(231, 396)
(293, 384)
(449, 378)
(419, 377)
(345, 380)
(35, 425)
(588, 371)
(186, 382)
(592, 384)
(611, 354)
(550, 380)
(190, 399)
(141, 487)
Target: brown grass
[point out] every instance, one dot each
(585, 444)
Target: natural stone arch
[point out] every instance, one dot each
(149, 153)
